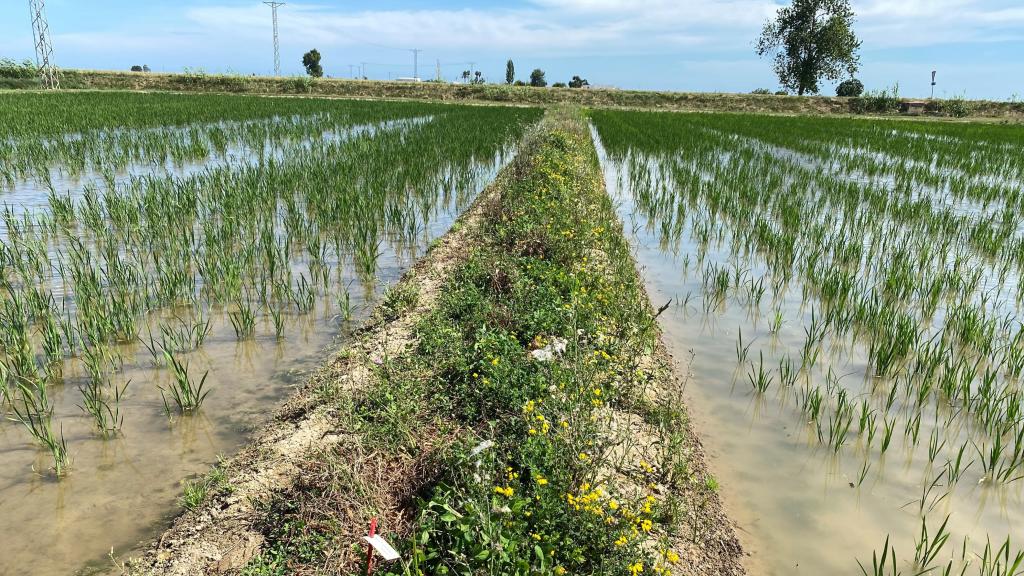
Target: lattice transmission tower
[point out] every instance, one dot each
(277, 47)
(44, 48)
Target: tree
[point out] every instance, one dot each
(478, 77)
(850, 88)
(811, 40)
(465, 75)
(578, 82)
(311, 60)
(145, 68)
(510, 72)
(537, 79)
(136, 68)
(558, 85)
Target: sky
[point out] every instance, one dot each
(976, 46)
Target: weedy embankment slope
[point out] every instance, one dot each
(525, 95)
(509, 410)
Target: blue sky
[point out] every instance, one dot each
(977, 46)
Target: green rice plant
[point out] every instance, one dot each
(243, 320)
(881, 565)
(35, 414)
(889, 426)
(106, 413)
(956, 467)
(864, 469)
(186, 395)
(927, 546)
(999, 561)
(277, 317)
(742, 350)
(760, 380)
(184, 336)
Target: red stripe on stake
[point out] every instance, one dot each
(369, 548)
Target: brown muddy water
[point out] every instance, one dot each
(800, 507)
(124, 490)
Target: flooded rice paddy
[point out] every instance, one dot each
(846, 296)
(173, 266)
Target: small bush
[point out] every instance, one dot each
(851, 88)
(957, 107)
(559, 85)
(762, 91)
(781, 93)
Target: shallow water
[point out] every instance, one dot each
(122, 491)
(800, 507)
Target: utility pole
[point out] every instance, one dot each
(933, 85)
(416, 62)
(352, 70)
(438, 70)
(362, 70)
(277, 47)
(44, 48)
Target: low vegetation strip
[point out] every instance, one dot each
(515, 412)
(881, 102)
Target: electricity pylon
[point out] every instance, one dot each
(44, 48)
(277, 48)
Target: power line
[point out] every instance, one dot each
(44, 48)
(277, 48)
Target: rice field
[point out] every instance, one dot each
(170, 265)
(849, 292)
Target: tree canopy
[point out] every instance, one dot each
(578, 82)
(850, 88)
(510, 72)
(311, 60)
(537, 78)
(811, 40)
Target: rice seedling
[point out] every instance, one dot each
(881, 565)
(106, 413)
(35, 414)
(760, 379)
(928, 546)
(243, 320)
(186, 394)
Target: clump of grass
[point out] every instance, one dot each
(184, 395)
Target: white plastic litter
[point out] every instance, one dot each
(386, 551)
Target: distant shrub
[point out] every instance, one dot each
(302, 84)
(762, 91)
(559, 85)
(885, 101)
(519, 83)
(23, 71)
(851, 88)
(136, 68)
(781, 93)
(957, 107)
